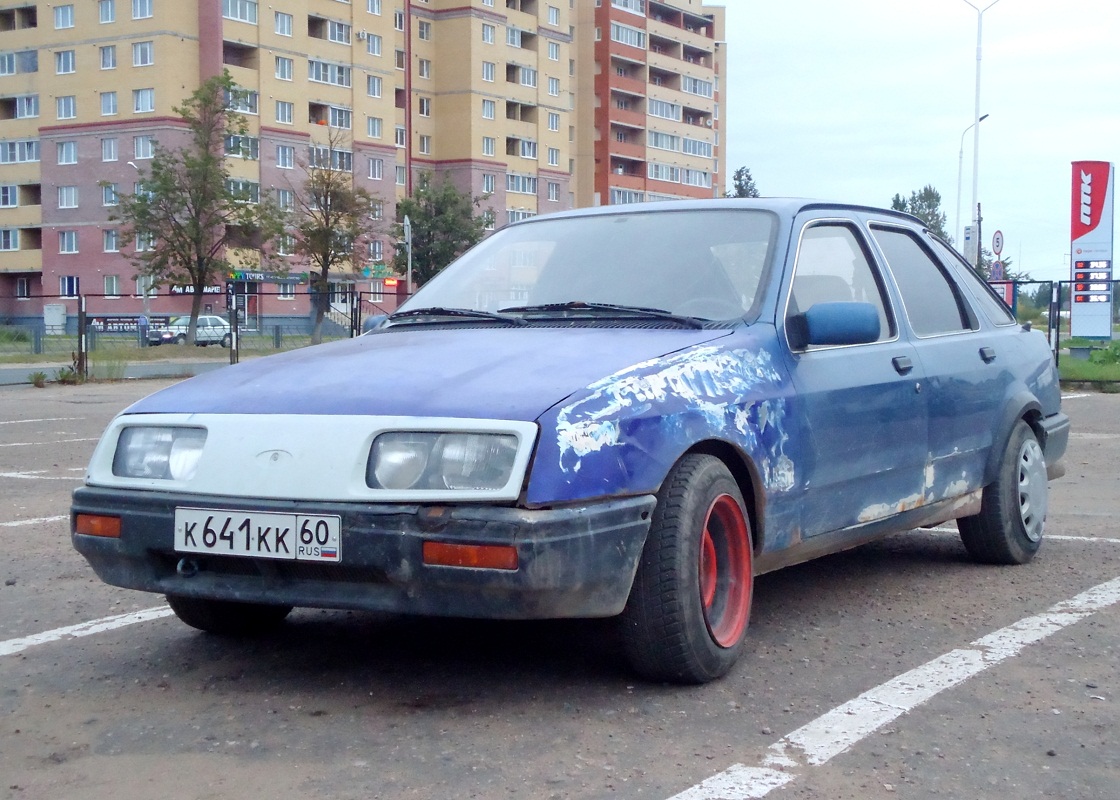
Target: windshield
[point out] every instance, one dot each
(704, 263)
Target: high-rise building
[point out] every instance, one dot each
(532, 105)
(652, 102)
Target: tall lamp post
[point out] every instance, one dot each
(976, 124)
(960, 174)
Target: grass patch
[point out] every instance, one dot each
(1076, 369)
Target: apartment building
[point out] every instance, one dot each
(535, 105)
(655, 99)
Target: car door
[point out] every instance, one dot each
(966, 381)
(863, 416)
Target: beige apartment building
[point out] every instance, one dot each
(534, 105)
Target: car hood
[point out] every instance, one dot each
(489, 373)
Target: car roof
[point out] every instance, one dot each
(786, 207)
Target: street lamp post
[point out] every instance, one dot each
(976, 125)
(960, 174)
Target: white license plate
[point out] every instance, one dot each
(290, 537)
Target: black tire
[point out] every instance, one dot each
(686, 618)
(225, 616)
(181, 338)
(1008, 529)
(226, 340)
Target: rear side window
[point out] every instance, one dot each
(993, 305)
(933, 303)
(833, 266)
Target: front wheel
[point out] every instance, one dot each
(181, 338)
(1008, 529)
(686, 618)
(226, 616)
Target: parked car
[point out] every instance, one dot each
(629, 411)
(211, 329)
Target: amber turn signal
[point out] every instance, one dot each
(97, 525)
(478, 556)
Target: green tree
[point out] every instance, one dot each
(444, 225)
(926, 206)
(742, 184)
(332, 221)
(190, 220)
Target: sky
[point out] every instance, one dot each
(859, 100)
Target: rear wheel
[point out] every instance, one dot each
(226, 340)
(1008, 529)
(181, 338)
(686, 618)
(225, 616)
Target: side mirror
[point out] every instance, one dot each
(833, 324)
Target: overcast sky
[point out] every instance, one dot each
(862, 99)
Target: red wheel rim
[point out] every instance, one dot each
(725, 571)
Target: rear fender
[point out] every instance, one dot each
(1020, 406)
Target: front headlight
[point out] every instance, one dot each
(163, 453)
(404, 460)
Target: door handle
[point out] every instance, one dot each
(902, 364)
(988, 354)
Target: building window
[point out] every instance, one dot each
(513, 37)
(553, 15)
(553, 121)
(528, 76)
(424, 68)
(244, 101)
(68, 243)
(67, 152)
(488, 145)
(63, 17)
(67, 196)
(424, 106)
(376, 250)
(425, 145)
(238, 146)
(401, 136)
(338, 32)
(664, 110)
(528, 148)
(376, 169)
(108, 104)
(110, 240)
(487, 33)
(245, 191)
(400, 60)
(624, 34)
(27, 106)
(521, 184)
(112, 285)
(339, 117)
(398, 20)
(108, 55)
(400, 175)
(286, 291)
(284, 111)
(286, 199)
(68, 285)
(141, 9)
(241, 10)
(143, 54)
(9, 238)
(283, 68)
(373, 6)
(143, 100)
(283, 24)
(554, 192)
(109, 195)
(424, 30)
(488, 71)
(143, 146)
(373, 127)
(377, 209)
(554, 87)
(553, 157)
(373, 44)
(109, 149)
(285, 156)
(23, 288)
(322, 72)
(106, 11)
(9, 196)
(489, 183)
(64, 62)
(373, 85)
(553, 51)
(488, 107)
(20, 151)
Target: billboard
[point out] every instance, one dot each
(1091, 229)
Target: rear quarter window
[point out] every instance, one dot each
(992, 304)
(933, 302)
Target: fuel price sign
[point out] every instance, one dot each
(1092, 282)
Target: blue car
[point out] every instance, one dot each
(623, 412)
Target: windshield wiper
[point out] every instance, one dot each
(436, 311)
(608, 308)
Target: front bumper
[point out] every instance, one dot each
(572, 562)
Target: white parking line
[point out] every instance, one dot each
(37, 475)
(837, 730)
(44, 419)
(35, 521)
(40, 444)
(1075, 396)
(83, 629)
